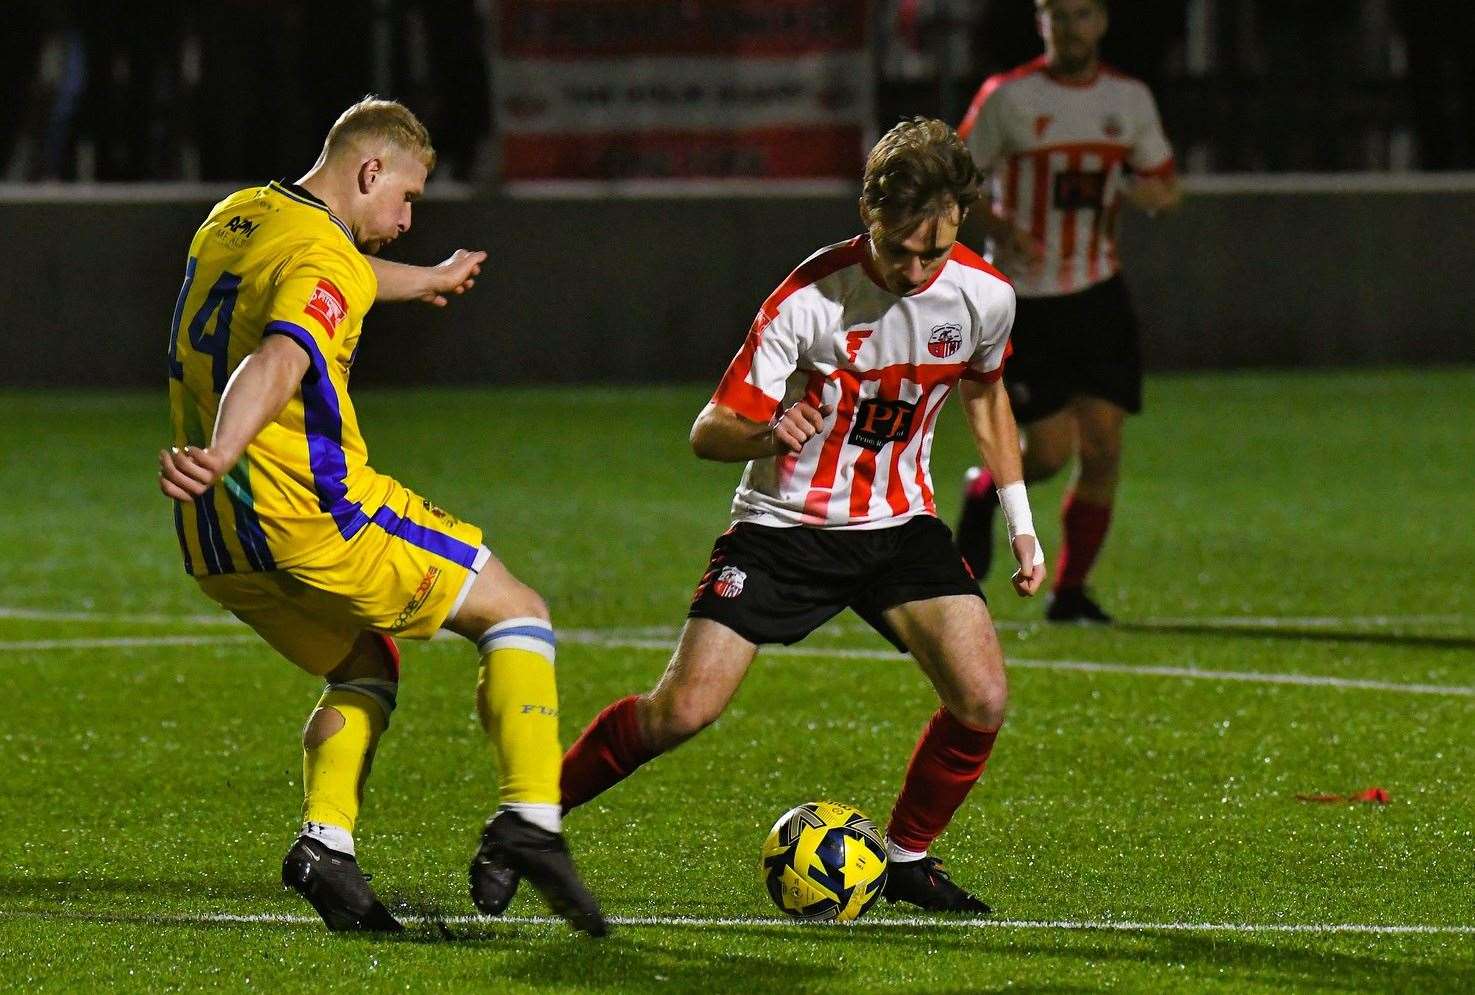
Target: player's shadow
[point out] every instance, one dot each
(1298, 634)
(82, 890)
(627, 959)
(1189, 955)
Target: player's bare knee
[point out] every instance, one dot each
(673, 718)
(1043, 462)
(374, 656)
(1101, 459)
(983, 709)
(322, 725)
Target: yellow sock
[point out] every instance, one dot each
(517, 699)
(338, 749)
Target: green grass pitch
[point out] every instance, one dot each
(1291, 559)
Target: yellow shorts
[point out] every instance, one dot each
(401, 575)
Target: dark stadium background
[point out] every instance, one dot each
(1323, 144)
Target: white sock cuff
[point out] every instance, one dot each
(548, 817)
(532, 634)
(900, 855)
(330, 836)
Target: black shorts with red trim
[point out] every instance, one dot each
(777, 585)
(1081, 344)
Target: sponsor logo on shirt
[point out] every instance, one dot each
(1041, 123)
(945, 340)
(1112, 127)
(729, 583)
(1080, 189)
(879, 422)
(327, 307)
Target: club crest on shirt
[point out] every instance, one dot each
(1112, 127)
(327, 307)
(1041, 123)
(729, 583)
(945, 340)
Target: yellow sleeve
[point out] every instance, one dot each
(311, 303)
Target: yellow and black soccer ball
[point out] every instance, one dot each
(824, 862)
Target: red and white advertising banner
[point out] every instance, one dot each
(683, 90)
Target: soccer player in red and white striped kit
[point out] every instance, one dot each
(831, 402)
(1065, 138)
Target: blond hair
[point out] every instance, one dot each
(919, 169)
(373, 123)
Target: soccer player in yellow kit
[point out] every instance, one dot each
(281, 520)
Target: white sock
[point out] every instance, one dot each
(332, 837)
(549, 817)
(897, 855)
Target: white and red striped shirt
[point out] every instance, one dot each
(1057, 152)
(833, 334)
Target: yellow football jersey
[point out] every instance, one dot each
(274, 260)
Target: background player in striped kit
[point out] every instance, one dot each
(1065, 139)
(831, 402)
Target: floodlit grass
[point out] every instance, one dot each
(1270, 525)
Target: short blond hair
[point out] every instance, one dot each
(373, 122)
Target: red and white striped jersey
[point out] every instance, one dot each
(833, 334)
(1057, 152)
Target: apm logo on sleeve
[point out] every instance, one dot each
(327, 306)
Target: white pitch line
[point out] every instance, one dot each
(119, 642)
(125, 618)
(1109, 925)
(1227, 621)
(1078, 666)
(604, 638)
(1301, 621)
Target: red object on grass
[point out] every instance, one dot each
(1375, 796)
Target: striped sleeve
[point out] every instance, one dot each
(753, 385)
(986, 365)
(1150, 155)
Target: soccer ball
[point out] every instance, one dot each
(824, 862)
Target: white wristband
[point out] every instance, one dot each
(1015, 502)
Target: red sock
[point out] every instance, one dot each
(1084, 527)
(948, 759)
(978, 483)
(604, 755)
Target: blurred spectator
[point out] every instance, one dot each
(1441, 81)
(441, 61)
(132, 49)
(20, 54)
(44, 144)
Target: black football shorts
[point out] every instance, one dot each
(1081, 344)
(777, 585)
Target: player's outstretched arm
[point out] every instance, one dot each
(723, 435)
(257, 392)
(434, 285)
(997, 437)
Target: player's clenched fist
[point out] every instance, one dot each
(185, 474)
(800, 423)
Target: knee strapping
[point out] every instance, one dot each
(381, 692)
